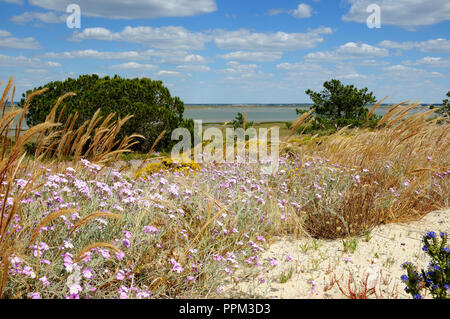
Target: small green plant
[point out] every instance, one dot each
(240, 121)
(285, 276)
(437, 278)
(350, 245)
(304, 247)
(315, 263)
(315, 244)
(367, 235)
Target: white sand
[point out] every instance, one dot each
(313, 271)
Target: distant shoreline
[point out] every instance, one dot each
(254, 106)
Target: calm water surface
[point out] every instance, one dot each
(258, 114)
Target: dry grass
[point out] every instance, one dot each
(93, 140)
(407, 152)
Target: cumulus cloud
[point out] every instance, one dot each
(7, 41)
(350, 50)
(45, 17)
(236, 71)
(313, 75)
(431, 62)
(133, 66)
(171, 73)
(133, 9)
(194, 58)
(249, 56)
(404, 73)
(177, 57)
(169, 38)
(435, 45)
(274, 12)
(22, 61)
(94, 54)
(302, 11)
(4, 33)
(404, 13)
(276, 41)
(13, 1)
(194, 68)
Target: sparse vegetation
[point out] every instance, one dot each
(75, 223)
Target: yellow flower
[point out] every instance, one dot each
(167, 165)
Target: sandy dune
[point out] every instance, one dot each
(316, 263)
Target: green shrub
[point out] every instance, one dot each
(445, 109)
(238, 122)
(340, 105)
(150, 102)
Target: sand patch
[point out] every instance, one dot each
(316, 263)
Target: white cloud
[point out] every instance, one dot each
(431, 62)
(4, 33)
(45, 17)
(312, 75)
(170, 73)
(15, 43)
(133, 66)
(22, 61)
(94, 54)
(194, 68)
(246, 40)
(175, 38)
(351, 76)
(350, 50)
(169, 38)
(435, 45)
(52, 64)
(36, 71)
(249, 56)
(404, 73)
(13, 1)
(300, 66)
(177, 57)
(302, 11)
(194, 58)
(236, 67)
(242, 72)
(133, 9)
(274, 12)
(404, 13)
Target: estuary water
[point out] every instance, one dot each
(259, 114)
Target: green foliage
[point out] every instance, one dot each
(350, 245)
(238, 122)
(437, 277)
(285, 276)
(445, 109)
(288, 125)
(339, 105)
(150, 102)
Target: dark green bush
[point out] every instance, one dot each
(238, 121)
(150, 102)
(445, 109)
(339, 105)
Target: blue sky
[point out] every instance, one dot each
(227, 51)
